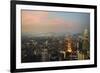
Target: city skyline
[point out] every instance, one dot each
(39, 29)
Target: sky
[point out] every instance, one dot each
(39, 22)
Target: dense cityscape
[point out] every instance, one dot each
(55, 48)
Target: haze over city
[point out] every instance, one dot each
(54, 36)
(40, 22)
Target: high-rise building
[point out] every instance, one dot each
(86, 44)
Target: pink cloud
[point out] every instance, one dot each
(38, 21)
(61, 24)
(33, 17)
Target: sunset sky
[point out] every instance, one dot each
(57, 22)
